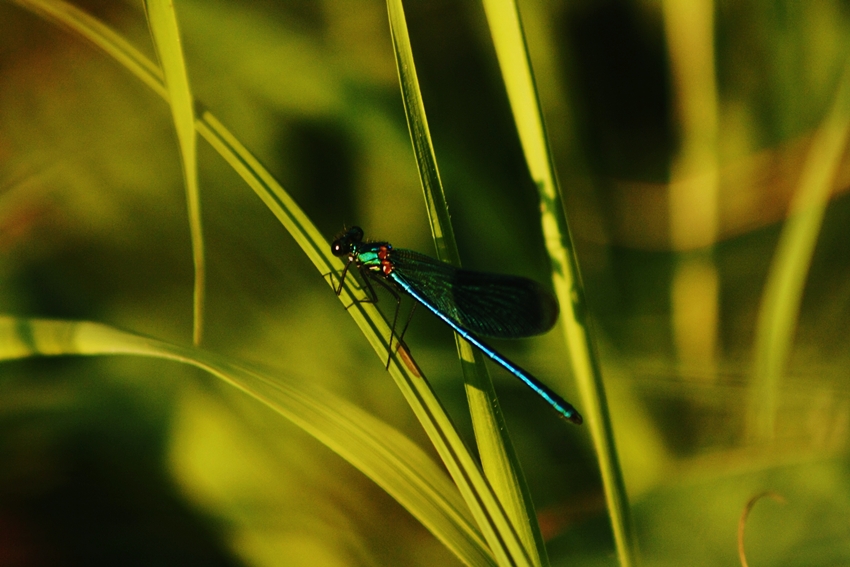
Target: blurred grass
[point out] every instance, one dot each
(92, 226)
(790, 267)
(376, 449)
(162, 20)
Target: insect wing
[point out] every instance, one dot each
(489, 305)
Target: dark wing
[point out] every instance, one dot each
(489, 305)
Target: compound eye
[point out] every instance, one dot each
(355, 233)
(339, 248)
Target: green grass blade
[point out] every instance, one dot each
(420, 136)
(162, 21)
(511, 50)
(498, 456)
(416, 390)
(783, 292)
(474, 488)
(383, 454)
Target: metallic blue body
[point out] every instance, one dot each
(561, 406)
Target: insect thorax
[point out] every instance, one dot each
(376, 258)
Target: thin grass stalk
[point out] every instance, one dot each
(514, 61)
(162, 22)
(783, 291)
(498, 456)
(693, 191)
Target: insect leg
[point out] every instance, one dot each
(341, 277)
(371, 296)
(364, 276)
(409, 319)
(397, 297)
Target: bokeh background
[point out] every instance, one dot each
(681, 130)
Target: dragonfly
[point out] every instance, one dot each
(474, 304)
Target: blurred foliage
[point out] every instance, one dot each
(119, 461)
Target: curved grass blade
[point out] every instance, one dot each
(474, 488)
(162, 21)
(495, 447)
(382, 453)
(512, 52)
(783, 291)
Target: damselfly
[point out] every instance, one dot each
(474, 304)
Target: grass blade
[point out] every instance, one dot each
(498, 456)
(383, 454)
(511, 50)
(783, 292)
(162, 21)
